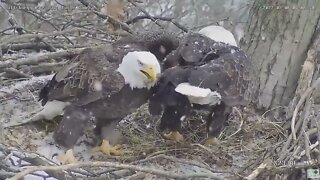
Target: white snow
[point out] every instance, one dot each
(199, 95)
(20, 100)
(182, 118)
(97, 86)
(220, 34)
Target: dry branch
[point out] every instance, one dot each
(145, 12)
(16, 73)
(114, 165)
(110, 19)
(40, 58)
(304, 96)
(136, 19)
(13, 38)
(269, 170)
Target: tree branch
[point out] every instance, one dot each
(40, 58)
(114, 165)
(136, 19)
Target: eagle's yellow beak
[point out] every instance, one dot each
(150, 72)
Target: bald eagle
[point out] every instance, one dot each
(105, 84)
(201, 74)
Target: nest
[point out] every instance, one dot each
(235, 149)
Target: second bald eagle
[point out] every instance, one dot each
(202, 73)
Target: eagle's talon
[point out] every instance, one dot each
(174, 136)
(67, 158)
(108, 149)
(117, 150)
(212, 141)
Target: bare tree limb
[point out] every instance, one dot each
(111, 164)
(17, 73)
(40, 58)
(146, 13)
(300, 103)
(13, 38)
(136, 19)
(112, 20)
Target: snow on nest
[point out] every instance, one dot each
(20, 100)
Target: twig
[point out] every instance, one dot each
(311, 148)
(43, 67)
(111, 164)
(112, 20)
(300, 103)
(241, 123)
(306, 119)
(29, 45)
(11, 39)
(17, 73)
(137, 18)
(257, 171)
(40, 58)
(145, 12)
(286, 169)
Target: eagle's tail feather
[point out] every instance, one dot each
(44, 92)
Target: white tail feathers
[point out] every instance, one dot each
(220, 34)
(197, 95)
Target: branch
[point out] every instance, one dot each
(17, 73)
(300, 103)
(136, 19)
(286, 169)
(114, 165)
(13, 38)
(40, 58)
(112, 20)
(146, 13)
(257, 171)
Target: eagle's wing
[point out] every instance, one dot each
(159, 43)
(88, 77)
(229, 74)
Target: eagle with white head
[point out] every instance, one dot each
(205, 72)
(103, 83)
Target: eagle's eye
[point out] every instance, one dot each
(140, 63)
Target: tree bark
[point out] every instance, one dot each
(277, 38)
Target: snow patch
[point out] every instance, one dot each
(97, 86)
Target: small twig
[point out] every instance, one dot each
(11, 39)
(40, 58)
(137, 18)
(300, 103)
(17, 73)
(111, 164)
(145, 12)
(43, 67)
(311, 148)
(112, 20)
(241, 123)
(257, 171)
(318, 132)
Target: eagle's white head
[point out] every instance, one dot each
(140, 69)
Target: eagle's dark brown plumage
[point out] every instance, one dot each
(202, 63)
(93, 88)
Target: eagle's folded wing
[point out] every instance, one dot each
(90, 76)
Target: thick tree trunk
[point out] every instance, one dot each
(277, 39)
